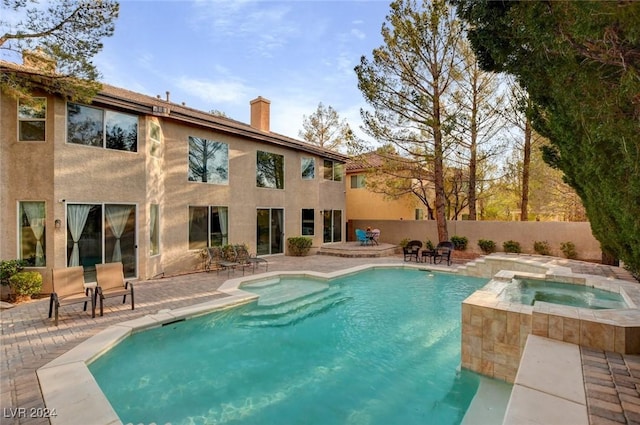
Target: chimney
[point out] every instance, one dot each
(260, 111)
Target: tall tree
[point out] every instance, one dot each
(325, 129)
(60, 39)
(406, 82)
(580, 63)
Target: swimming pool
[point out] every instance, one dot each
(376, 347)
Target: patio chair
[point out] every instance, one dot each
(111, 283)
(68, 288)
(241, 257)
(375, 235)
(254, 260)
(411, 250)
(442, 252)
(361, 235)
(217, 260)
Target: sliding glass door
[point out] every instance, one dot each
(332, 226)
(270, 231)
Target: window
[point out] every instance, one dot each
(332, 170)
(308, 224)
(154, 230)
(208, 161)
(32, 236)
(32, 117)
(208, 226)
(270, 170)
(156, 139)
(357, 181)
(308, 168)
(101, 128)
(419, 214)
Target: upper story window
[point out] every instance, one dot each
(101, 128)
(332, 170)
(270, 170)
(155, 136)
(208, 161)
(32, 116)
(357, 181)
(308, 168)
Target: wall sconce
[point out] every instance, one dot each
(58, 223)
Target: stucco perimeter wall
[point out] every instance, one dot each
(526, 233)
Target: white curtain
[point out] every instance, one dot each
(117, 216)
(35, 215)
(76, 219)
(153, 242)
(223, 218)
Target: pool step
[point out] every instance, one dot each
(286, 290)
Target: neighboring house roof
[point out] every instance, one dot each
(149, 105)
(364, 162)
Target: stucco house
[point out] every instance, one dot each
(148, 182)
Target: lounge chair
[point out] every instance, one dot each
(241, 257)
(217, 261)
(442, 252)
(361, 235)
(68, 288)
(242, 253)
(411, 250)
(111, 283)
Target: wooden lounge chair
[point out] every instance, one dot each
(442, 252)
(111, 283)
(411, 250)
(68, 288)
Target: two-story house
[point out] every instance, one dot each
(148, 182)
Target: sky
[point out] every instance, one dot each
(221, 54)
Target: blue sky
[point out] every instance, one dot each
(214, 54)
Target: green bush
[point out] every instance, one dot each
(487, 246)
(512, 246)
(542, 247)
(8, 268)
(26, 283)
(404, 242)
(428, 244)
(299, 245)
(569, 250)
(460, 242)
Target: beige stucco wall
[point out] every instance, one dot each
(54, 171)
(587, 247)
(362, 203)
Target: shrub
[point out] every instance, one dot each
(299, 245)
(404, 242)
(542, 247)
(428, 245)
(8, 268)
(569, 250)
(512, 246)
(26, 284)
(487, 246)
(459, 242)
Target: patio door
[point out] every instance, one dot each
(101, 233)
(270, 231)
(332, 226)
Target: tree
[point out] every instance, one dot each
(59, 39)
(325, 128)
(580, 64)
(406, 82)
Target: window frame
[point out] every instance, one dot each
(303, 221)
(221, 180)
(24, 221)
(32, 119)
(279, 184)
(224, 239)
(312, 161)
(154, 230)
(102, 134)
(155, 144)
(360, 181)
(333, 170)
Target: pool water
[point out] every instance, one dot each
(529, 291)
(377, 347)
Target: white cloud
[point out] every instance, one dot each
(358, 34)
(215, 92)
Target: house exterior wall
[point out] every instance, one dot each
(60, 173)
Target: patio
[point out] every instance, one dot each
(29, 339)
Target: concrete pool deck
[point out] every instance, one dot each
(30, 341)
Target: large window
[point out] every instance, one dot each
(32, 117)
(332, 170)
(101, 233)
(357, 181)
(308, 168)
(308, 222)
(208, 161)
(101, 128)
(32, 233)
(208, 226)
(270, 170)
(154, 229)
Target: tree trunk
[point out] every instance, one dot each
(526, 162)
(473, 160)
(438, 171)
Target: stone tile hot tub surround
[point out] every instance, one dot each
(494, 331)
